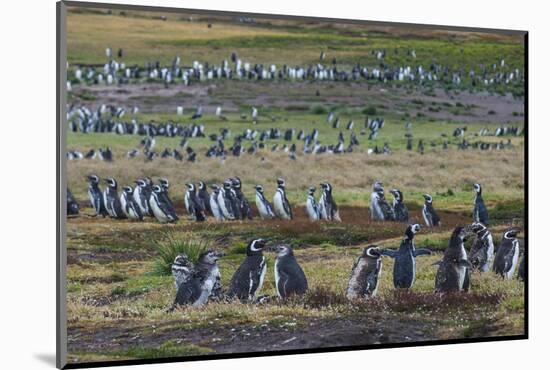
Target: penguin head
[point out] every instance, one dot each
(141, 183)
(478, 227)
(411, 231)
(157, 189)
(372, 251)
(182, 260)
(93, 179)
(227, 184)
(460, 234)
(202, 185)
(428, 198)
(128, 190)
(311, 190)
(236, 183)
(215, 188)
(397, 195)
(164, 183)
(190, 186)
(511, 234)
(148, 180)
(255, 247)
(259, 189)
(477, 188)
(378, 187)
(111, 182)
(210, 257)
(283, 250)
(281, 182)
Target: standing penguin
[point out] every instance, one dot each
(244, 207)
(96, 196)
(506, 258)
(311, 205)
(379, 207)
(404, 268)
(204, 197)
(330, 209)
(182, 269)
(400, 210)
(194, 206)
(480, 211)
(249, 277)
(264, 207)
(198, 288)
(453, 271)
(214, 205)
(225, 201)
(289, 276)
(482, 251)
(160, 206)
(72, 205)
(111, 199)
(142, 193)
(428, 211)
(365, 274)
(129, 205)
(280, 201)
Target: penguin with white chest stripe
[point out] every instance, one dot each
(400, 210)
(365, 275)
(194, 207)
(112, 200)
(404, 268)
(453, 272)
(480, 211)
(379, 207)
(225, 201)
(265, 209)
(482, 251)
(197, 290)
(203, 197)
(214, 204)
(249, 277)
(330, 209)
(129, 205)
(283, 209)
(312, 207)
(289, 277)
(506, 258)
(160, 206)
(182, 269)
(96, 196)
(141, 195)
(431, 218)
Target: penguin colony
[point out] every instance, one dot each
(200, 283)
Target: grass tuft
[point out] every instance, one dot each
(170, 246)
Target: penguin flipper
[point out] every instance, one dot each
(389, 253)
(187, 293)
(422, 252)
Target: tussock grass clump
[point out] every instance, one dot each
(323, 297)
(170, 246)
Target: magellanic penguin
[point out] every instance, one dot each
(264, 207)
(249, 277)
(312, 207)
(506, 258)
(225, 201)
(379, 207)
(194, 206)
(96, 196)
(112, 200)
(214, 204)
(165, 185)
(480, 211)
(404, 268)
(198, 288)
(482, 251)
(289, 276)
(243, 204)
(365, 274)
(142, 193)
(400, 210)
(204, 197)
(281, 203)
(72, 205)
(160, 206)
(330, 209)
(431, 218)
(182, 269)
(129, 205)
(453, 272)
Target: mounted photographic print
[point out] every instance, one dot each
(237, 185)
